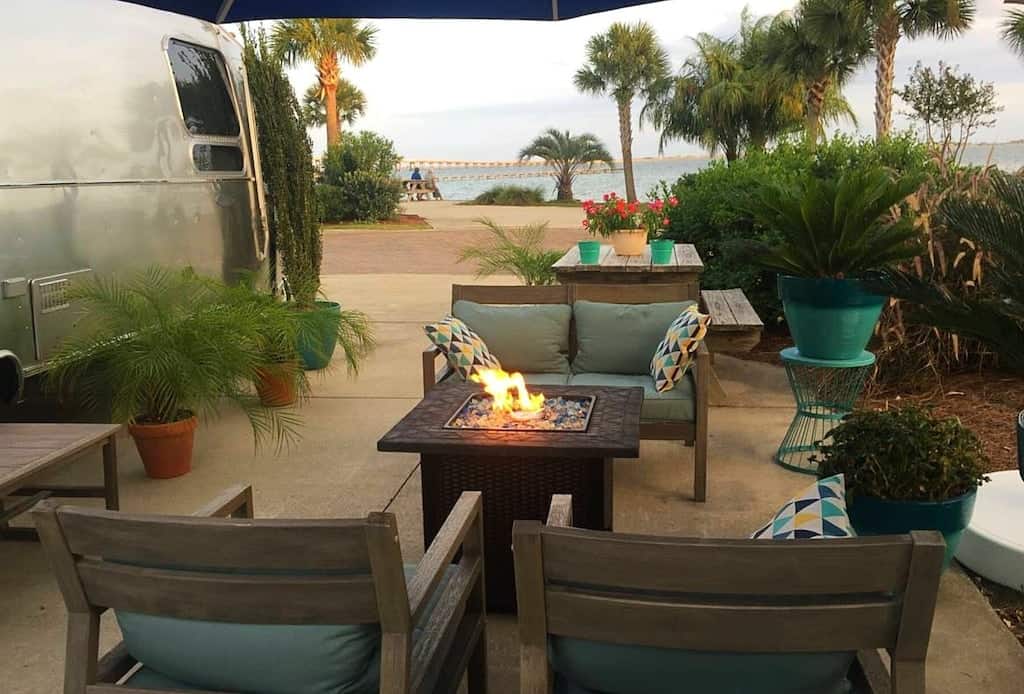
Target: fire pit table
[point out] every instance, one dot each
(517, 470)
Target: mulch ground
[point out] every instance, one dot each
(987, 401)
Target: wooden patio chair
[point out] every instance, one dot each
(635, 594)
(271, 572)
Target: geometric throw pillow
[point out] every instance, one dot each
(675, 353)
(464, 349)
(817, 512)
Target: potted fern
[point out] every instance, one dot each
(162, 349)
(519, 251)
(906, 470)
(835, 231)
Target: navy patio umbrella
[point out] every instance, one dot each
(224, 11)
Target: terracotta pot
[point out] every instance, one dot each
(630, 242)
(165, 449)
(276, 385)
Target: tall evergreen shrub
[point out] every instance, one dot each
(287, 163)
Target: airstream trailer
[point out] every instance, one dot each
(126, 140)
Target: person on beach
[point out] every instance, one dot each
(435, 192)
(416, 175)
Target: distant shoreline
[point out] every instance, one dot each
(490, 163)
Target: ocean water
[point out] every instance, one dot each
(649, 174)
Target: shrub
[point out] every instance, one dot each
(363, 151)
(359, 196)
(519, 251)
(712, 215)
(511, 195)
(904, 455)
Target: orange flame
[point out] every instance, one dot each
(501, 384)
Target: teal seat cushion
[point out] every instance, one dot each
(546, 379)
(592, 666)
(676, 405)
(620, 338)
(532, 338)
(260, 658)
(145, 678)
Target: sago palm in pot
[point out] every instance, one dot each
(834, 232)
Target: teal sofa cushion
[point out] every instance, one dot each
(260, 658)
(592, 666)
(620, 338)
(531, 338)
(676, 405)
(546, 379)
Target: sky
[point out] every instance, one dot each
(481, 90)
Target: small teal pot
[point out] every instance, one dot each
(829, 319)
(590, 252)
(662, 251)
(873, 516)
(315, 351)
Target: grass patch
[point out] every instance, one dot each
(403, 222)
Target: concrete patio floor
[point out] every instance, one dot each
(336, 472)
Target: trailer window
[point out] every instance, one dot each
(202, 83)
(217, 157)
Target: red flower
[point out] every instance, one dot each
(586, 223)
(608, 197)
(666, 221)
(673, 201)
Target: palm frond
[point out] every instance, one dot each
(518, 251)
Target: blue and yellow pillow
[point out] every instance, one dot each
(675, 353)
(465, 350)
(817, 512)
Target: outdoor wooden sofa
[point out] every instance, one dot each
(692, 432)
(271, 572)
(809, 599)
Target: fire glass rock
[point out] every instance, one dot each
(559, 413)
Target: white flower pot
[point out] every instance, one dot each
(629, 241)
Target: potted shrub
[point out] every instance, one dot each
(627, 224)
(834, 233)
(292, 213)
(162, 349)
(906, 470)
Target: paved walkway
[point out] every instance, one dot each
(436, 250)
(335, 471)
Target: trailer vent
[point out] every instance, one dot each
(53, 295)
(50, 306)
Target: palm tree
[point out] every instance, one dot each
(626, 61)
(821, 44)
(893, 19)
(1013, 31)
(566, 154)
(350, 99)
(325, 43)
(725, 98)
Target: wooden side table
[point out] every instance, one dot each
(685, 268)
(517, 471)
(28, 450)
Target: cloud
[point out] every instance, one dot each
(482, 89)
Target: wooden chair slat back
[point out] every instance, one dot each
(722, 627)
(240, 598)
(729, 595)
(511, 294)
(632, 293)
(216, 543)
(726, 567)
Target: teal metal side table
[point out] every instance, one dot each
(825, 392)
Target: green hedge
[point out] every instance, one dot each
(711, 215)
(511, 195)
(360, 196)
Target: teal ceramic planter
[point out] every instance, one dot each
(872, 516)
(590, 252)
(662, 251)
(315, 351)
(829, 319)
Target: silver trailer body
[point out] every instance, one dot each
(126, 140)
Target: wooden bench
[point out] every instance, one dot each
(417, 189)
(735, 327)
